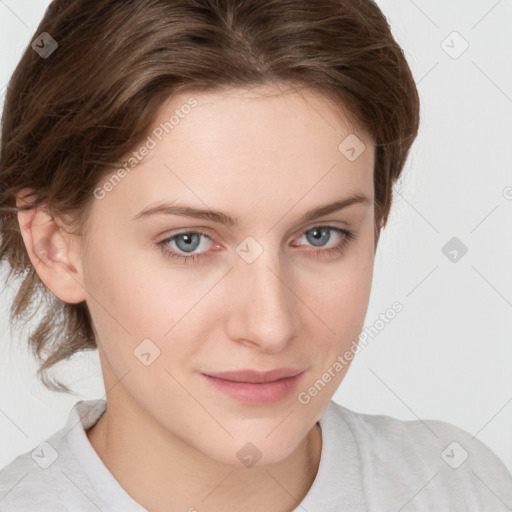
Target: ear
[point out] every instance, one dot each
(53, 252)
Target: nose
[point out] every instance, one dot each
(263, 310)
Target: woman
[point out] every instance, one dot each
(197, 188)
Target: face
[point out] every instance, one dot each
(175, 297)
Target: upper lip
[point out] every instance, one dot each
(249, 375)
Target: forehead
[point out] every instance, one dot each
(261, 109)
(248, 148)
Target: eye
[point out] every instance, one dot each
(186, 242)
(321, 234)
(189, 241)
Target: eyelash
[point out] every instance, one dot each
(348, 236)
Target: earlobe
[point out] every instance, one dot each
(51, 250)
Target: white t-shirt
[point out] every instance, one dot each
(368, 463)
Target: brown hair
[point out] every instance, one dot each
(70, 118)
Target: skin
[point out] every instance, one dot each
(264, 156)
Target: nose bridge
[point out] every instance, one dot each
(263, 308)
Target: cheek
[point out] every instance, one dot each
(341, 301)
(125, 299)
(344, 304)
(135, 295)
(124, 282)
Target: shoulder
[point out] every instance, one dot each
(444, 463)
(45, 479)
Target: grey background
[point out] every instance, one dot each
(448, 354)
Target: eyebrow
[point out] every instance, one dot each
(184, 210)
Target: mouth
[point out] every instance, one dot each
(256, 376)
(255, 387)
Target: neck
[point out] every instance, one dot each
(162, 472)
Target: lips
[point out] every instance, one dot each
(255, 376)
(255, 387)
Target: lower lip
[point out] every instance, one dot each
(257, 393)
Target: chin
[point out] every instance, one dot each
(243, 453)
